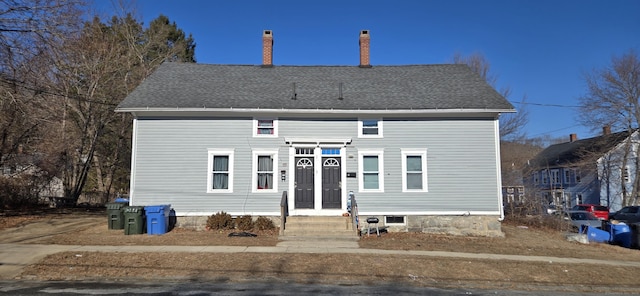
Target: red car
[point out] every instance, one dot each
(599, 211)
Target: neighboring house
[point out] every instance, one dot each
(47, 189)
(589, 171)
(513, 195)
(418, 145)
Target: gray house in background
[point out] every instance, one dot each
(588, 171)
(418, 145)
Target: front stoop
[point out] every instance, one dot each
(319, 228)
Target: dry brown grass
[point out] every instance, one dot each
(345, 268)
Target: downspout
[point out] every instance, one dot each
(498, 170)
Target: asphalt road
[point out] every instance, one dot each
(247, 288)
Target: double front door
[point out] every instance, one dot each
(329, 173)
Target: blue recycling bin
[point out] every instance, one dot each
(596, 235)
(157, 219)
(621, 235)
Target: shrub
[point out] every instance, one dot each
(220, 220)
(263, 223)
(244, 223)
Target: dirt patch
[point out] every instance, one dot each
(347, 268)
(517, 241)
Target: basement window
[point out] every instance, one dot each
(394, 220)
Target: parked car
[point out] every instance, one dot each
(578, 218)
(599, 211)
(629, 214)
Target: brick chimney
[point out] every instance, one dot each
(364, 49)
(573, 137)
(606, 130)
(267, 48)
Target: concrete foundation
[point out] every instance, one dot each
(453, 225)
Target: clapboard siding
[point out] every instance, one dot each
(171, 163)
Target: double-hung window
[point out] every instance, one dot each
(264, 166)
(567, 176)
(265, 127)
(220, 168)
(414, 170)
(370, 128)
(555, 177)
(370, 164)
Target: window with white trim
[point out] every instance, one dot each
(579, 199)
(625, 174)
(555, 177)
(576, 175)
(394, 220)
(567, 176)
(414, 170)
(371, 168)
(370, 128)
(220, 168)
(545, 176)
(264, 168)
(265, 127)
(536, 180)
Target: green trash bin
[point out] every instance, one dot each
(134, 220)
(115, 215)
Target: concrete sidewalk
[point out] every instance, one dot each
(14, 257)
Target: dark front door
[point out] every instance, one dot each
(304, 183)
(331, 191)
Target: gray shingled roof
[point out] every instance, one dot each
(412, 87)
(569, 153)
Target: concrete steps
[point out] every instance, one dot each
(319, 227)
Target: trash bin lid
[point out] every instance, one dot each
(115, 205)
(134, 209)
(157, 209)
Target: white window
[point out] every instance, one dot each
(536, 180)
(265, 127)
(576, 175)
(414, 170)
(567, 176)
(370, 165)
(579, 198)
(545, 176)
(625, 174)
(220, 168)
(264, 168)
(555, 177)
(370, 128)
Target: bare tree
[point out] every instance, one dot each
(512, 124)
(613, 99)
(30, 30)
(96, 69)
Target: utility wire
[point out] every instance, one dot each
(545, 105)
(23, 85)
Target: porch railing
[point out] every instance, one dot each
(283, 211)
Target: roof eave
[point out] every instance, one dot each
(333, 111)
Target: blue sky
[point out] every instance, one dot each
(540, 49)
